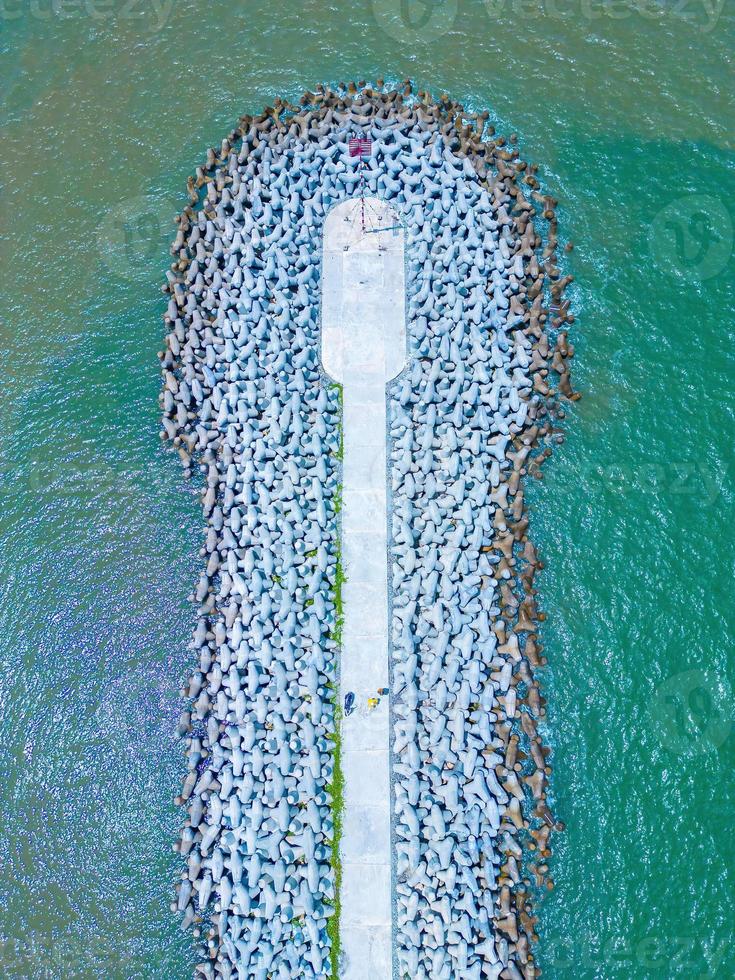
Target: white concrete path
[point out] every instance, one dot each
(363, 347)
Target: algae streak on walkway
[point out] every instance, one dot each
(363, 347)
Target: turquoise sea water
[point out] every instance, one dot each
(106, 107)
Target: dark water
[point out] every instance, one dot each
(106, 109)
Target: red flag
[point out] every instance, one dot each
(360, 146)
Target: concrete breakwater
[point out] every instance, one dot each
(363, 347)
(473, 414)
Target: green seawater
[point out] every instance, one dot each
(106, 108)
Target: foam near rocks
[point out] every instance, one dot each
(245, 399)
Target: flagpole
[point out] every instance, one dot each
(362, 192)
(360, 146)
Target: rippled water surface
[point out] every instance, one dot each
(106, 109)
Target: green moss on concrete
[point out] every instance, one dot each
(336, 791)
(340, 454)
(336, 786)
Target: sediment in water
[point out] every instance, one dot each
(471, 418)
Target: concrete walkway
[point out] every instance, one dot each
(363, 347)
